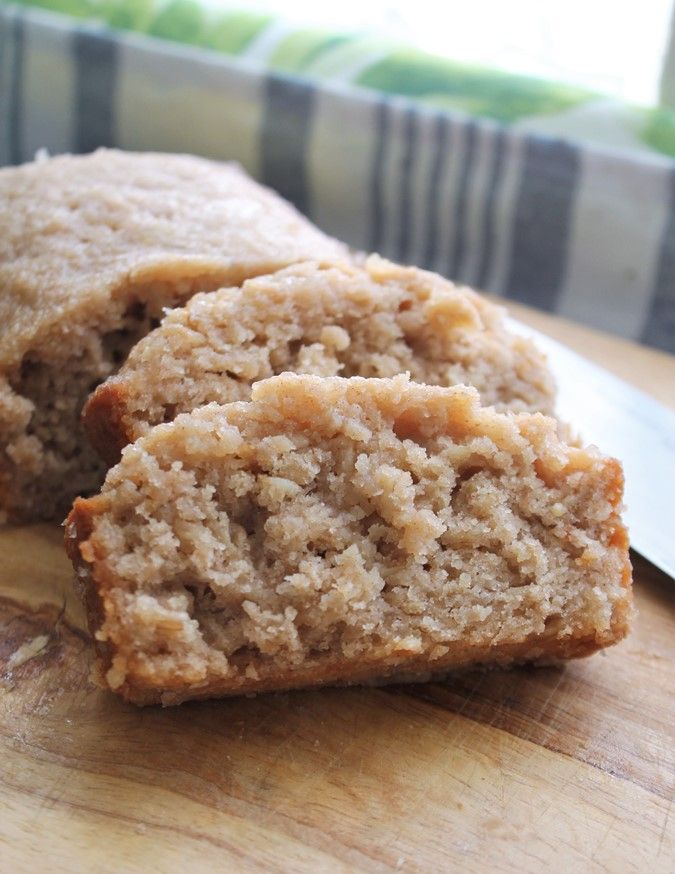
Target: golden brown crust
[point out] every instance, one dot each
(105, 421)
(337, 673)
(78, 528)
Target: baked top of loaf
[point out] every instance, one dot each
(377, 320)
(92, 249)
(338, 530)
(75, 228)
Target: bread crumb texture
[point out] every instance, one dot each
(92, 249)
(338, 530)
(378, 320)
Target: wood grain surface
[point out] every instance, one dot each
(566, 769)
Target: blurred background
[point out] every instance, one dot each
(526, 148)
(559, 41)
(610, 62)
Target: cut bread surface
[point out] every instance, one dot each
(337, 530)
(378, 320)
(92, 248)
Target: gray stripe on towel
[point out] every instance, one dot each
(405, 201)
(438, 164)
(460, 207)
(378, 213)
(96, 61)
(542, 222)
(5, 67)
(659, 329)
(285, 134)
(489, 217)
(14, 89)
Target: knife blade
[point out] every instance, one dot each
(628, 424)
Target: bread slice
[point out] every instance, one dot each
(379, 320)
(92, 248)
(337, 530)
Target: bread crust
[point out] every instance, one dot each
(105, 420)
(78, 528)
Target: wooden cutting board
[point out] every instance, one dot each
(563, 769)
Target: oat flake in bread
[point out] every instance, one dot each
(92, 248)
(377, 320)
(337, 530)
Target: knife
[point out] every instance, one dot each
(628, 424)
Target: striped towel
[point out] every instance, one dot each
(585, 233)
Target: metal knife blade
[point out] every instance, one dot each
(628, 424)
